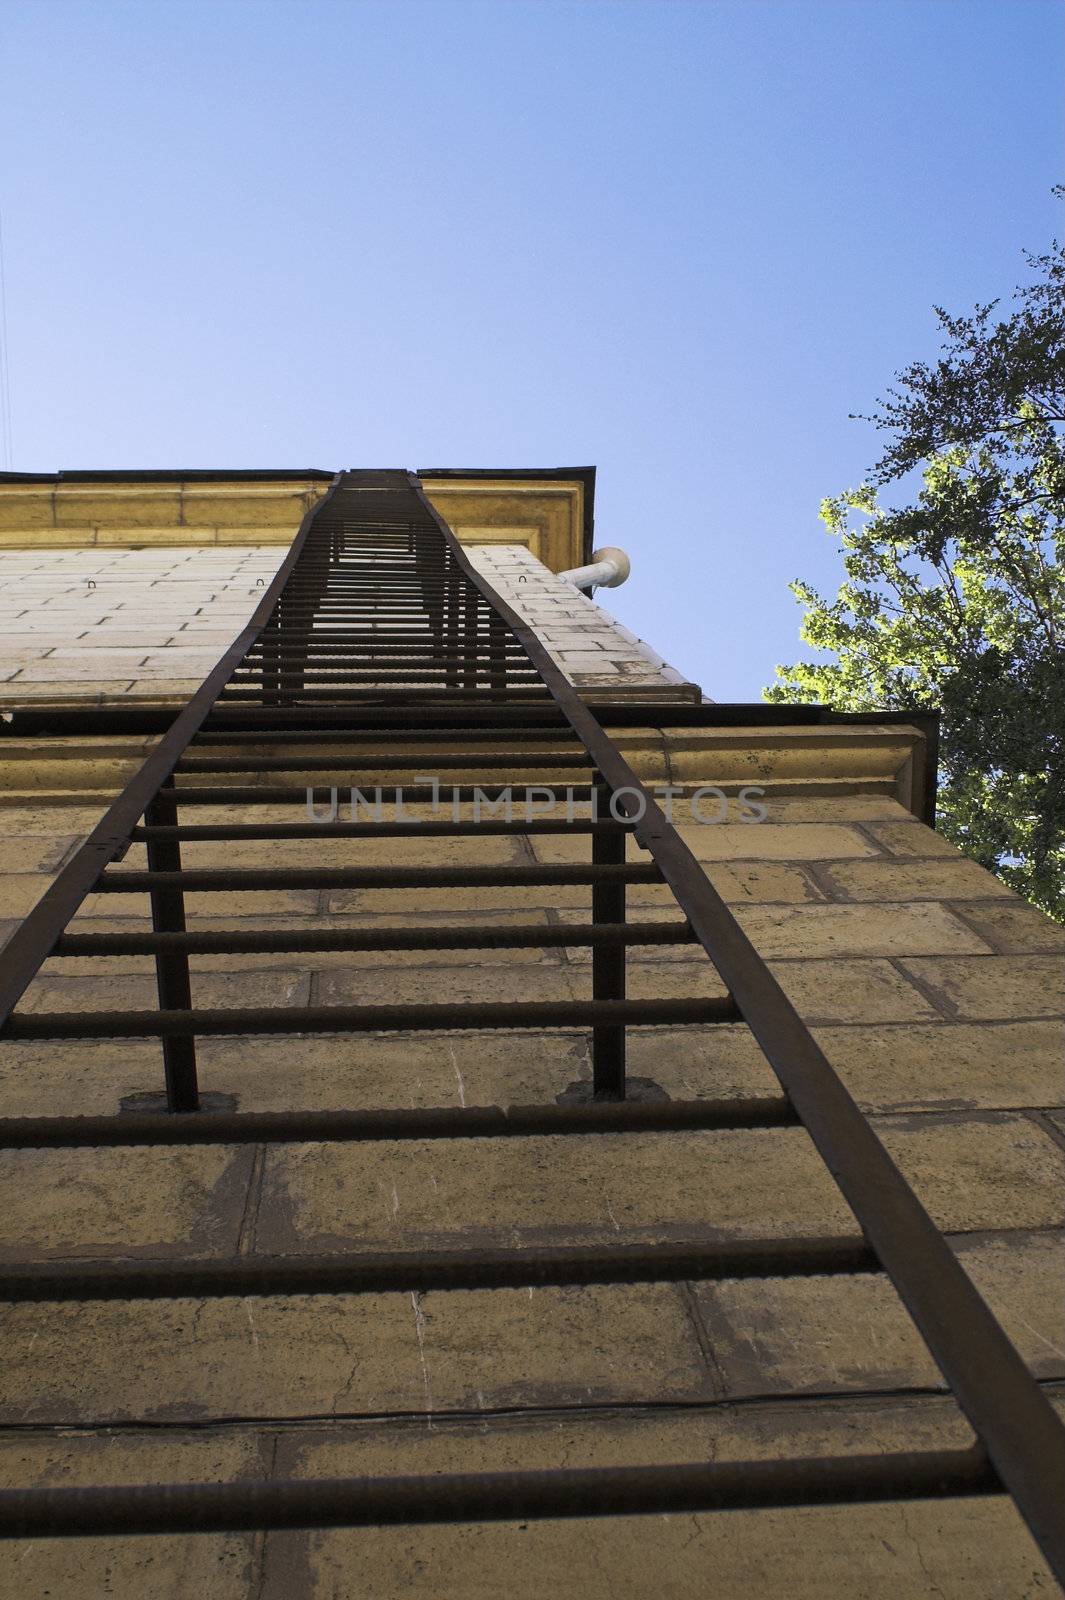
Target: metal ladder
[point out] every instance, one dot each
(377, 627)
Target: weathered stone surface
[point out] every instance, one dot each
(20, 892)
(1011, 926)
(905, 837)
(871, 809)
(995, 986)
(991, 1169)
(304, 1356)
(492, 850)
(952, 1550)
(744, 881)
(218, 1566)
(731, 1183)
(172, 1201)
(254, 903)
(138, 992)
(944, 1066)
(932, 879)
(824, 1335)
(277, 1074)
(851, 991)
(452, 984)
(29, 853)
(767, 841)
(173, 1360)
(54, 822)
(859, 930)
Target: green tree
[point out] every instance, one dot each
(957, 600)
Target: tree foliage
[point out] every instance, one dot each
(957, 599)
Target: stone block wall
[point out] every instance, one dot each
(599, 656)
(935, 992)
(938, 996)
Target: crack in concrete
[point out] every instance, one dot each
(934, 1587)
(252, 1202)
(419, 1328)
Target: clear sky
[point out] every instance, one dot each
(679, 241)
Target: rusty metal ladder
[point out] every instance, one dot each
(378, 627)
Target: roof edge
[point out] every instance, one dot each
(584, 475)
(174, 475)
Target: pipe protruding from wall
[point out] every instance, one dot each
(608, 568)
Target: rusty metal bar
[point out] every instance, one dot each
(369, 1019)
(473, 937)
(193, 833)
(122, 880)
(173, 983)
(608, 958)
(426, 1271)
(436, 1122)
(495, 1497)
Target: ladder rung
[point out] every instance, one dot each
(407, 696)
(297, 674)
(119, 881)
(281, 941)
(379, 830)
(315, 650)
(425, 1270)
(475, 734)
(369, 1019)
(435, 1122)
(277, 794)
(368, 761)
(683, 1488)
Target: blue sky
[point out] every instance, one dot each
(679, 241)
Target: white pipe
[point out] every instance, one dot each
(609, 567)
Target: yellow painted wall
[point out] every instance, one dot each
(547, 517)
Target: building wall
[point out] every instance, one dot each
(548, 515)
(597, 654)
(95, 626)
(64, 513)
(934, 991)
(130, 591)
(938, 995)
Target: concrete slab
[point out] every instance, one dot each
(1011, 926)
(994, 986)
(222, 1566)
(991, 1169)
(156, 1203)
(883, 930)
(950, 1066)
(194, 1361)
(844, 990)
(723, 1184)
(928, 879)
(928, 1550)
(831, 1335)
